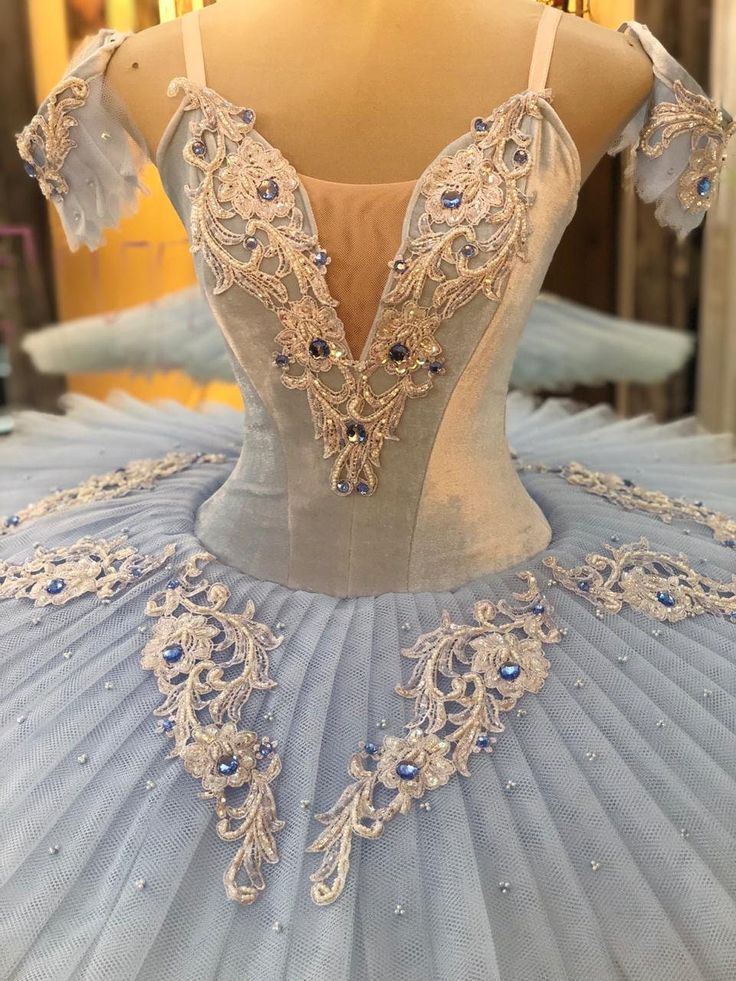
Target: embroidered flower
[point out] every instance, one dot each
(221, 756)
(462, 189)
(311, 336)
(405, 339)
(178, 643)
(508, 664)
(414, 765)
(258, 182)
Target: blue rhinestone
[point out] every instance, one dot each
(173, 584)
(29, 169)
(319, 348)
(730, 543)
(320, 258)
(407, 771)
(538, 609)
(510, 671)
(398, 353)
(247, 115)
(666, 599)
(227, 765)
(343, 487)
(281, 360)
(55, 586)
(370, 748)
(583, 586)
(698, 504)
(172, 654)
(199, 148)
(251, 242)
(435, 367)
(628, 483)
(480, 125)
(268, 189)
(355, 432)
(469, 250)
(521, 157)
(363, 489)
(451, 199)
(705, 185)
(12, 520)
(167, 725)
(484, 740)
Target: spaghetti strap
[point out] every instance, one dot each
(544, 45)
(193, 55)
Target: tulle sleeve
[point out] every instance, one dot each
(679, 136)
(85, 155)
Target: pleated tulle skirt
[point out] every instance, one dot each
(596, 841)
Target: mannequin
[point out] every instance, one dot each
(409, 76)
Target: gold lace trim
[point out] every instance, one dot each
(53, 577)
(460, 693)
(207, 662)
(45, 142)
(709, 133)
(662, 586)
(247, 225)
(137, 475)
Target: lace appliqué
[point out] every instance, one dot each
(53, 577)
(137, 475)
(207, 662)
(662, 586)
(709, 134)
(45, 142)
(248, 227)
(465, 679)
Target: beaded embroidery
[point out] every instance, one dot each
(465, 678)
(53, 577)
(44, 143)
(137, 475)
(709, 134)
(247, 225)
(662, 586)
(208, 662)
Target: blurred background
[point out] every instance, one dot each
(614, 257)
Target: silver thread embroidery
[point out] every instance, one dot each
(137, 475)
(247, 225)
(700, 118)
(102, 568)
(208, 661)
(662, 586)
(465, 679)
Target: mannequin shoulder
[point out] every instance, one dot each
(607, 57)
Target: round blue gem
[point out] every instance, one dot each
(521, 157)
(363, 489)
(435, 367)
(730, 543)
(483, 740)
(538, 609)
(29, 169)
(451, 199)
(510, 671)
(12, 520)
(469, 250)
(173, 584)
(199, 148)
(247, 115)
(320, 258)
(355, 432)
(628, 483)
(251, 242)
(407, 771)
(55, 586)
(370, 748)
(343, 487)
(480, 125)
(583, 586)
(319, 348)
(281, 360)
(704, 185)
(666, 599)
(398, 353)
(268, 189)
(227, 765)
(167, 725)
(172, 654)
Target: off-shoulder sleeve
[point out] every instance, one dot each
(81, 149)
(679, 136)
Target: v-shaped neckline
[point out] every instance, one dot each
(361, 362)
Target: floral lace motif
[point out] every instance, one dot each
(247, 225)
(207, 662)
(709, 133)
(465, 678)
(137, 475)
(53, 577)
(662, 586)
(45, 142)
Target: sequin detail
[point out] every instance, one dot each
(259, 243)
(709, 133)
(53, 577)
(222, 657)
(137, 475)
(459, 693)
(45, 142)
(662, 586)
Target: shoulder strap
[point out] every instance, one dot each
(544, 45)
(193, 55)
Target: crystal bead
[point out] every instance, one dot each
(227, 765)
(319, 348)
(247, 115)
(398, 353)
(321, 258)
(480, 125)
(370, 748)
(435, 367)
(521, 157)
(451, 199)
(343, 487)
(268, 189)
(583, 586)
(12, 520)
(538, 609)
(510, 671)
(355, 432)
(401, 265)
(407, 771)
(167, 725)
(55, 587)
(469, 250)
(173, 584)
(665, 598)
(705, 185)
(30, 169)
(281, 360)
(483, 740)
(199, 149)
(363, 489)
(251, 242)
(173, 653)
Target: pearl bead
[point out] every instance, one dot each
(109, 686)
(595, 866)
(504, 887)
(511, 785)
(591, 755)
(140, 884)
(277, 926)
(425, 805)
(53, 849)
(660, 723)
(150, 784)
(305, 804)
(82, 759)
(381, 724)
(399, 910)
